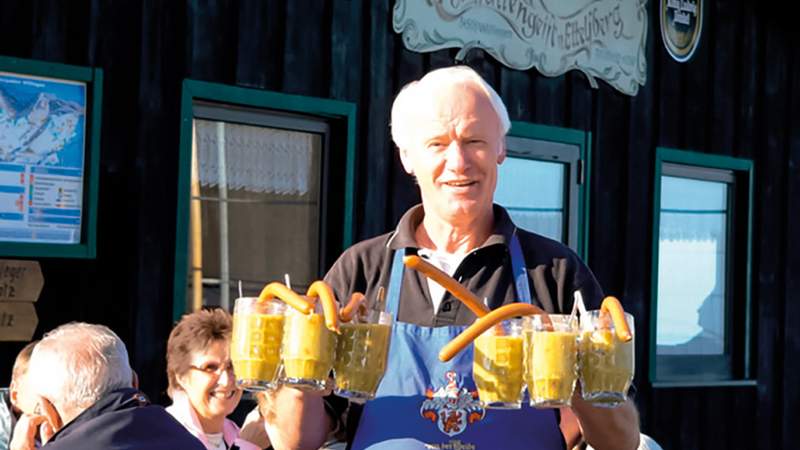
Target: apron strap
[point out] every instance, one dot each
(519, 270)
(395, 283)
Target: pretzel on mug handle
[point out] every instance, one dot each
(482, 324)
(330, 308)
(613, 307)
(446, 281)
(277, 290)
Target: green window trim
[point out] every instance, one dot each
(93, 77)
(200, 90)
(745, 168)
(581, 139)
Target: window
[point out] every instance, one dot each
(260, 192)
(540, 183)
(701, 268)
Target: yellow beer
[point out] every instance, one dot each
(606, 365)
(497, 369)
(361, 355)
(308, 350)
(552, 364)
(256, 342)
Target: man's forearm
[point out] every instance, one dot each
(608, 428)
(297, 420)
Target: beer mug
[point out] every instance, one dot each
(606, 363)
(308, 350)
(362, 351)
(256, 342)
(497, 366)
(551, 360)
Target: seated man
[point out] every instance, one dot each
(15, 400)
(82, 381)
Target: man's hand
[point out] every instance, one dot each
(607, 428)
(253, 429)
(300, 422)
(25, 432)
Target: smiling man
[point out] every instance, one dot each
(450, 129)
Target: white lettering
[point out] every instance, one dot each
(682, 18)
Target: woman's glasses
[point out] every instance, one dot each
(213, 368)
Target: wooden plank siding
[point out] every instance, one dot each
(738, 96)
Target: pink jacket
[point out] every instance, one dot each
(182, 411)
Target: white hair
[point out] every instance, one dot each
(414, 94)
(76, 364)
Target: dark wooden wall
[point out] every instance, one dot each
(739, 95)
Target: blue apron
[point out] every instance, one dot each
(423, 403)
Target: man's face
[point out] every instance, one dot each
(22, 396)
(456, 149)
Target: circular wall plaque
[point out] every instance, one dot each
(681, 27)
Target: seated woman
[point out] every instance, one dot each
(202, 384)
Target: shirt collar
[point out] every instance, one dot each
(404, 234)
(182, 410)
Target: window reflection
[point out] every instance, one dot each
(533, 193)
(692, 267)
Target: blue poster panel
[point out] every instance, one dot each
(42, 151)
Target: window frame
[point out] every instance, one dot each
(196, 92)
(579, 171)
(702, 166)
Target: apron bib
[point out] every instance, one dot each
(423, 403)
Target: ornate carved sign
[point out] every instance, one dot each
(601, 38)
(681, 27)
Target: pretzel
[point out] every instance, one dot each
(446, 281)
(613, 307)
(277, 290)
(484, 323)
(330, 308)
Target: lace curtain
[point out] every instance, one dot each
(692, 227)
(548, 224)
(257, 159)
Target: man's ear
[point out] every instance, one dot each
(46, 409)
(405, 159)
(134, 379)
(501, 154)
(13, 392)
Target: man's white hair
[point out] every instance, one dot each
(76, 364)
(416, 94)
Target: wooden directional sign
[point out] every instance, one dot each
(20, 285)
(17, 321)
(20, 281)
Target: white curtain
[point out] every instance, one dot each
(692, 227)
(257, 159)
(546, 223)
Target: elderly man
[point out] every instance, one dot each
(450, 129)
(82, 381)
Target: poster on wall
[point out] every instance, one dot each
(681, 27)
(42, 150)
(604, 39)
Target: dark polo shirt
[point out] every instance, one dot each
(554, 271)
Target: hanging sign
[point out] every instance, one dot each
(17, 321)
(20, 281)
(20, 285)
(604, 39)
(681, 27)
